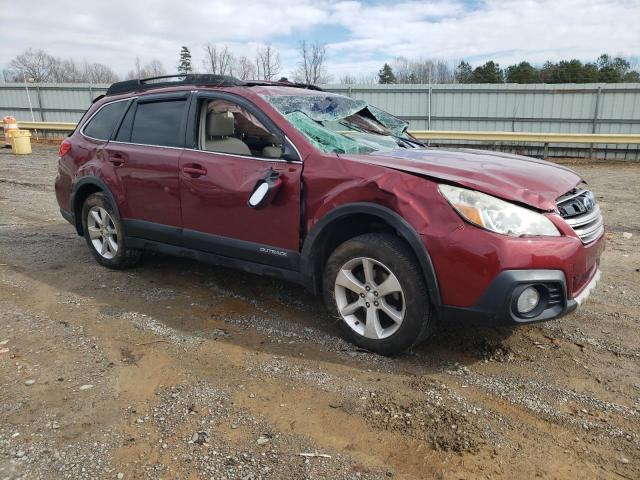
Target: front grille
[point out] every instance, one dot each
(580, 210)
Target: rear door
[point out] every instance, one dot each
(145, 155)
(217, 181)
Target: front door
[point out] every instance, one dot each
(237, 147)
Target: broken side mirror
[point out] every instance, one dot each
(265, 190)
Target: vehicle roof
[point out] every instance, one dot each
(197, 80)
(261, 90)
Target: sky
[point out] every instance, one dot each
(360, 35)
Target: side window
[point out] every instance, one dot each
(158, 123)
(102, 124)
(227, 127)
(124, 132)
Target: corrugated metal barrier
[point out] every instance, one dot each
(502, 108)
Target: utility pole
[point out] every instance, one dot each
(26, 87)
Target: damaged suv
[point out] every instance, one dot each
(327, 191)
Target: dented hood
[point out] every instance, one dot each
(512, 177)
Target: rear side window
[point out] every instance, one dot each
(102, 124)
(159, 123)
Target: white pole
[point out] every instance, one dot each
(26, 87)
(429, 111)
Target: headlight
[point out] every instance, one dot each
(497, 215)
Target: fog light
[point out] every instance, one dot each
(528, 300)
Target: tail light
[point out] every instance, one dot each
(65, 147)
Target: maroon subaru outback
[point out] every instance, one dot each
(327, 191)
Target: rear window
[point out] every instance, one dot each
(158, 123)
(102, 124)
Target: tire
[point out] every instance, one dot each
(104, 234)
(401, 319)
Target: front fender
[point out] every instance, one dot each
(309, 267)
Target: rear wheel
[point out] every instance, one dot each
(373, 285)
(104, 234)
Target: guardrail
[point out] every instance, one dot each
(522, 137)
(49, 126)
(527, 137)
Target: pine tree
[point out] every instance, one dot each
(490, 72)
(184, 66)
(385, 75)
(463, 73)
(523, 72)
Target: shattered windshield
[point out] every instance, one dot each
(337, 124)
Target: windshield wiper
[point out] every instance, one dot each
(414, 141)
(375, 132)
(410, 141)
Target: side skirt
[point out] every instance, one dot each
(227, 252)
(215, 259)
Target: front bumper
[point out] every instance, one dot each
(497, 306)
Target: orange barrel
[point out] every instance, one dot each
(8, 124)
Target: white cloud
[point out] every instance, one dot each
(116, 32)
(505, 30)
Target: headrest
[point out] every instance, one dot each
(273, 139)
(220, 124)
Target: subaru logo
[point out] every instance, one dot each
(588, 201)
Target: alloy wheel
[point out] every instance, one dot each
(102, 232)
(369, 298)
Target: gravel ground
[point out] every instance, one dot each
(180, 370)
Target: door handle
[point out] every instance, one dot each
(194, 170)
(117, 159)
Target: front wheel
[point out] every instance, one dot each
(372, 284)
(104, 234)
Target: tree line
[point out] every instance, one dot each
(606, 69)
(266, 65)
(39, 66)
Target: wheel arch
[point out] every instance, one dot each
(85, 187)
(348, 221)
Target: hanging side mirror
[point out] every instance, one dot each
(265, 190)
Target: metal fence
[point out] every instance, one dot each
(567, 108)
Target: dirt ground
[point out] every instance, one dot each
(176, 369)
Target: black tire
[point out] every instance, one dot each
(124, 257)
(394, 254)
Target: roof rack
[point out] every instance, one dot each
(283, 82)
(166, 81)
(204, 79)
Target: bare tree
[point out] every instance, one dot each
(64, 71)
(152, 69)
(312, 68)
(99, 73)
(218, 60)
(36, 65)
(39, 66)
(267, 63)
(422, 71)
(360, 79)
(348, 79)
(245, 69)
